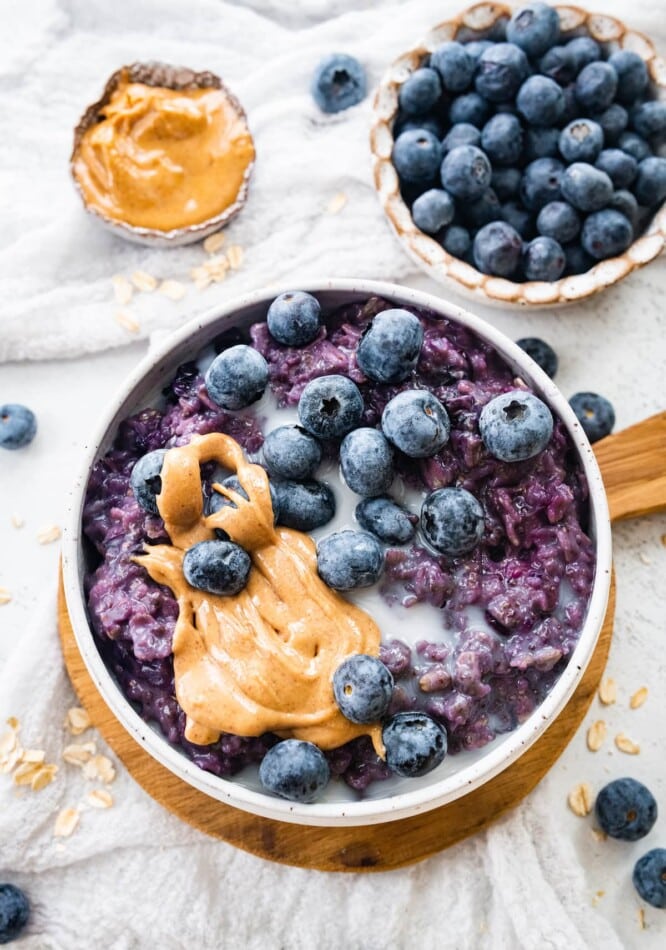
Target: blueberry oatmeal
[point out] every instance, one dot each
(451, 552)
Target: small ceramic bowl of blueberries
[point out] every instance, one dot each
(517, 152)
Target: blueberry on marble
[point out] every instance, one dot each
(541, 352)
(541, 183)
(595, 414)
(502, 139)
(515, 426)
(596, 86)
(366, 461)
(145, 480)
(433, 210)
(634, 145)
(625, 809)
(620, 167)
(559, 221)
(389, 349)
(304, 506)
(649, 877)
(632, 75)
(519, 218)
(454, 65)
(559, 63)
(649, 119)
(541, 101)
(420, 92)
(505, 182)
(471, 108)
(237, 377)
(535, 27)
(613, 122)
(294, 318)
(452, 521)
(330, 406)
(348, 559)
(415, 744)
(464, 133)
(581, 140)
(18, 426)
(543, 259)
(217, 567)
(416, 423)
(650, 184)
(497, 249)
(456, 240)
(14, 912)
(542, 143)
(291, 452)
(386, 519)
(339, 82)
(417, 155)
(584, 50)
(586, 187)
(606, 234)
(362, 687)
(500, 71)
(466, 172)
(295, 770)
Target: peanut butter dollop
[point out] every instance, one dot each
(262, 660)
(163, 158)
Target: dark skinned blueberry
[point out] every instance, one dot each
(649, 119)
(515, 426)
(366, 461)
(330, 407)
(415, 744)
(634, 145)
(294, 318)
(295, 770)
(420, 92)
(291, 452)
(454, 65)
(542, 143)
(386, 519)
(519, 218)
(217, 501)
(362, 687)
(586, 187)
(456, 241)
(649, 877)
(541, 101)
(18, 426)
(433, 210)
(497, 249)
(596, 86)
(237, 377)
(650, 184)
(624, 202)
(541, 183)
(482, 211)
(578, 261)
(581, 141)
(613, 122)
(558, 63)
(429, 123)
(304, 506)
(217, 567)
(461, 134)
(625, 809)
(476, 48)
(389, 349)
(452, 521)
(466, 172)
(14, 912)
(632, 75)
(584, 50)
(417, 155)
(535, 27)
(559, 221)
(416, 423)
(541, 352)
(500, 71)
(348, 560)
(502, 139)
(543, 259)
(471, 108)
(595, 414)
(606, 234)
(339, 82)
(620, 167)
(505, 182)
(145, 480)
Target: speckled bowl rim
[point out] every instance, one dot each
(430, 255)
(159, 365)
(156, 73)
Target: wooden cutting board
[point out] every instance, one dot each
(633, 464)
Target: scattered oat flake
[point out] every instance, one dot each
(122, 289)
(8, 742)
(10, 761)
(17, 521)
(49, 534)
(638, 698)
(143, 281)
(608, 691)
(337, 203)
(596, 735)
(216, 268)
(43, 777)
(173, 289)
(235, 256)
(25, 772)
(5, 596)
(77, 720)
(66, 822)
(99, 798)
(213, 243)
(78, 753)
(644, 558)
(126, 321)
(100, 767)
(13, 723)
(599, 835)
(580, 799)
(626, 745)
(641, 918)
(34, 755)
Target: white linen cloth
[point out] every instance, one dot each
(134, 876)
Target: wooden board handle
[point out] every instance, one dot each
(633, 466)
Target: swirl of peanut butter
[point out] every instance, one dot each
(262, 660)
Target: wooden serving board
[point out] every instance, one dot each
(633, 464)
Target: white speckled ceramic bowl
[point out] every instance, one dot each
(386, 801)
(479, 22)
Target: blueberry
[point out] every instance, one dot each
(620, 167)
(389, 349)
(18, 426)
(541, 183)
(581, 140)
(433, 210)
(217, 567)
(558, 220)
(471, 108)
(452, 521)
(295, 770)
(595, 414)
(484, 210)
(519, 218)
(650, 184)
(348, 559)
(415, 744)
(366, 461)
(634, 145)
(456, 241)
(386, 519)
(476, 48)
(584, 50)
(543, 259)
(625, 809)
(454, 65)
(571, 107)
(362, 687)
(578, 261)
(535, 27)
(466, 172)
(613, 122)
(624, 202)
(237, 377)
(417, 155)
(586, 187)
(304, 506)
(420, 92)
(606, 234)
(541, 101)
(416, 422)
(649, 877)
(632, 74)
(541, 352)
(500, 71)
(330, 407)
(461, 134)
(294, 318)
(558, 63)
(505, 182)
(14, 912)
(291, 452)
(542, 143)
(596, 86)
(339, 82)
(145, 480)
(217, 501)
(502, 139)
(427, 123)
(497, 249)
(515, 426)
(649, 119)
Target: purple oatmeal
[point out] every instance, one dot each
(510, 611)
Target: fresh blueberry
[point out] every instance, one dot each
(427, 123)
(295, 770)
(454, 65)
(584, 50)
(541, 101)
(145, 480)
(217, 567)
(14, 912)
(625, 809)
(291, 452)
(304, 506)
(500, 71)
(505, 182)
(571, 107)
(466, 172)
(541, 183)
(433, 210)
(613, 122)
(330, 407)
(477, 48)
(649, 119)
(18, 426)
(484, 210)
(502, 139)
(606, 234)
(542, 143)
(452, 521)
(519, 218)
(535, 27)
(581, 141)
(650, 184)
(632, 75)
(634, 145)
(456, 241)
(559, 63)
(415, 744)
(649, 877)
(348, 559)
(366, 461)
(596, 86)
(237, 377)
(497, 249)
(416, 422)
(515, 426)
(339, 82)
(386, 519)
(559, 221)
(217, 501)
(420, 92)
(586, 187)
(461, 134)
(471, 108)
(541, 352)
(620, 167)
(362, 687)
(389, 349)
(578, 261)
(595, 414)
(543, 259)
(417, 155)
(294, 318)
(624, 202)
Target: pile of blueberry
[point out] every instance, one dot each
(532, 157)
